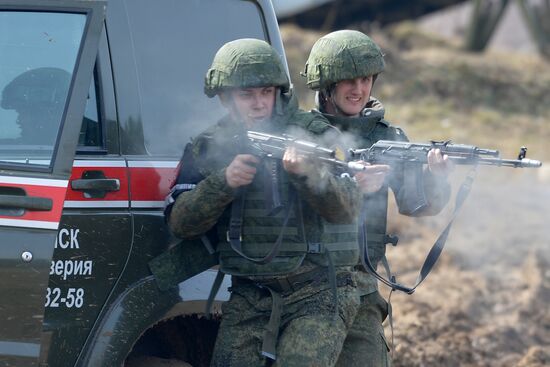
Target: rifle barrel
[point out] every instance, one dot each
(516, 163)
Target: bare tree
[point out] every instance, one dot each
(537, 17)
(485, 17)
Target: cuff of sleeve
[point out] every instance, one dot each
(431, 180)
(299, 181)
(218, 182)
(437, 189)
(311, 180)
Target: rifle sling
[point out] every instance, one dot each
(213, 292)
(234, 235)
(433, 254)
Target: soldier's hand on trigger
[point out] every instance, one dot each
(439, 164)
(372, 177)
(241, 170)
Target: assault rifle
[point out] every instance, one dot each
(382, 152)
(274, 146)
(387, 152)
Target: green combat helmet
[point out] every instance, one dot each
(342, 55)
(245, 63)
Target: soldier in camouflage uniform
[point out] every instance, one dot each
(292, 306)
(342, 68)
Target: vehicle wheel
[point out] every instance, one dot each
(149, 361)
(188, 338)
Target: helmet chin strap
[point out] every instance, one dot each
(278, 107)
(325, 96)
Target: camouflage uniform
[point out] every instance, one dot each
(346, 55)
(201, 202)
(309, 333)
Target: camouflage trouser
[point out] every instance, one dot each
(365, 344)
(310, 335)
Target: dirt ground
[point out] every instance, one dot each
(487, 301)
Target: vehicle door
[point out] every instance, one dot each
(47, 53)
(94, 236)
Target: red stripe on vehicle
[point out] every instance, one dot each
(55, 193)
(151, 183)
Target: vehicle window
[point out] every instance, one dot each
(174, 43)
(90, 134)
(38, 52)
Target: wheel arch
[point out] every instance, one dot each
(139, 308)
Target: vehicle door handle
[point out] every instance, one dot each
(96, 184)
(26, 202)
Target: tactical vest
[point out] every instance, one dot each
(306, 235)
(367, 130)
(259, 232)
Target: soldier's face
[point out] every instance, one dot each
(351, 96)
(251, 105)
